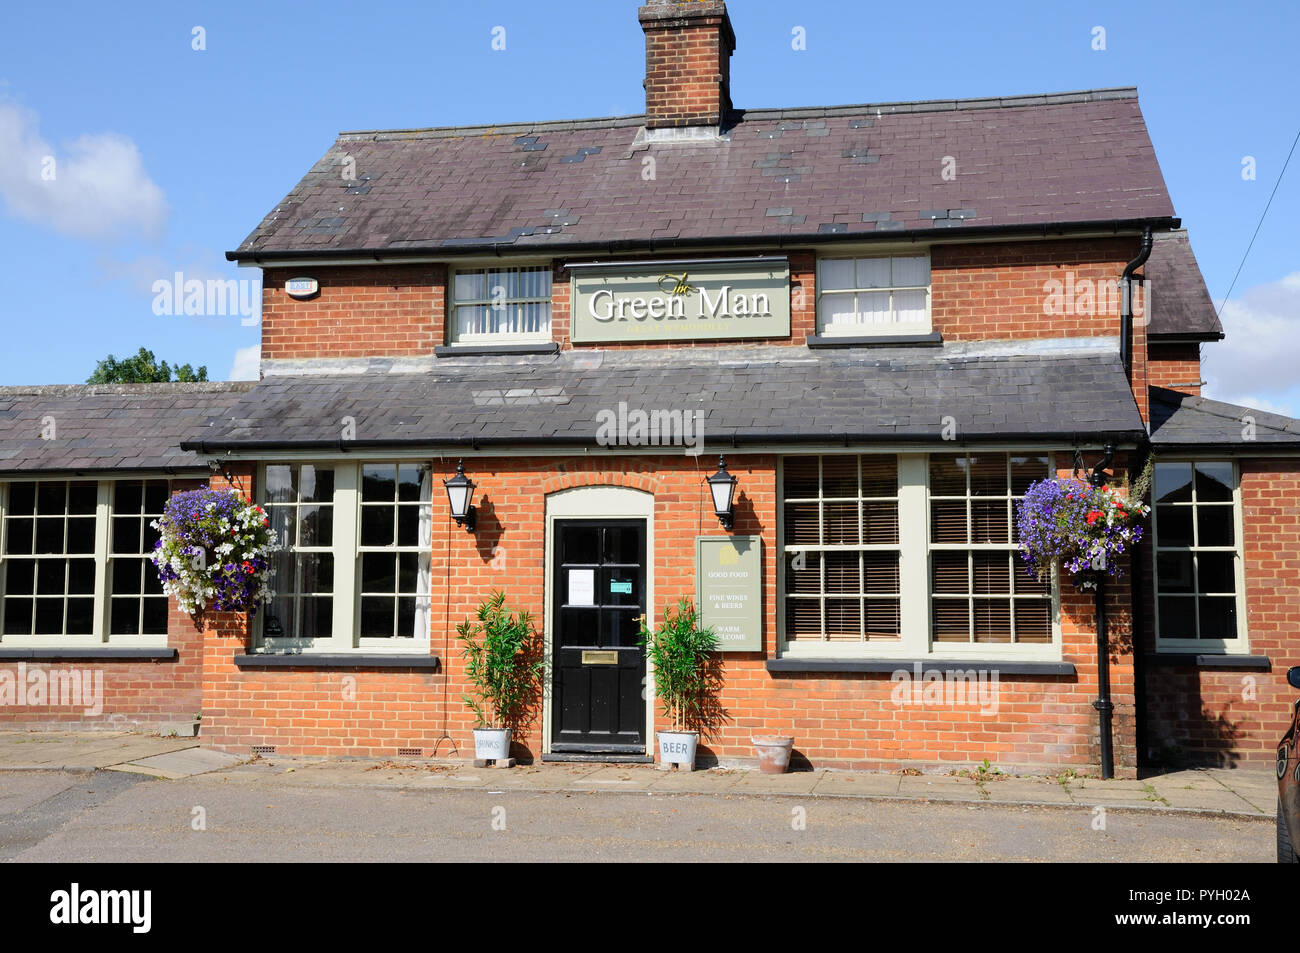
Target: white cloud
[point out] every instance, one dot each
(96, 187)
(1256, 364)
(247, 365)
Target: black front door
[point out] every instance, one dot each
(599, 667)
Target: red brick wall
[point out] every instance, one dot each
(842, 720)
(1001, 290)
(1236, 716)
(389, 310)
(1175, 366)
(136, 694)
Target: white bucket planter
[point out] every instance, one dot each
(678, 747)
(492, 744)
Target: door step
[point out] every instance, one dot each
(598, 758)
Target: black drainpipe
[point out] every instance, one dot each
(1103, 704)
(1126, 312)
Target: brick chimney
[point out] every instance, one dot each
(688, 47)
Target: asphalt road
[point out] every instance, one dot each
(107, 816)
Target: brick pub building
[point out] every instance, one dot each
(890, 319)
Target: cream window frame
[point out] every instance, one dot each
(915, 638)
(455, 338)
(1241, 644)
(886, 329)
(1019, 650)
(99, 636)
(344, 637)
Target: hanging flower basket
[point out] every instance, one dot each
(214, 551)
(1079, 527)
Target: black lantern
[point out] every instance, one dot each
(723, 487)
(460, 494)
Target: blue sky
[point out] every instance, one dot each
(172, 155)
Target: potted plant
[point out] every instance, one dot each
(503, 665)
(1079, 527)
(213, 551)
(679, 649)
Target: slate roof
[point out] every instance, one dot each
(1181, 305)
(1184, 420)
(745, 395)
(811, 173)
(107, 426)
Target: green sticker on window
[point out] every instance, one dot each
(624, 587)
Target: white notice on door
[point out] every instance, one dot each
(582, 587)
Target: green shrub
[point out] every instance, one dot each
(504, 663)
(679, 651)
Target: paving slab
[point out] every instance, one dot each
(82, 750)
(1114, 784)
(1194, 779)
(712, 781)
(797, 782)
(1223, 800)
(1027, 791)
(854, 784)
(174, 765)
(942, 786)
(1115, 798)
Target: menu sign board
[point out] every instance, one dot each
(729, 590)
(680, 300)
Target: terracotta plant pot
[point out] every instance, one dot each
(773, 752)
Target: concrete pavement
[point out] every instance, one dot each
(1242, 793)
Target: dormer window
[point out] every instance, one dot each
(887, 294)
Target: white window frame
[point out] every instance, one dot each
(1241, 644)
(346, 548)
(887, 329)
(100, 633)
(915, 639)
(455, 338)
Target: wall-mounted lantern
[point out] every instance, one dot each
(460, 494)
(723, 487)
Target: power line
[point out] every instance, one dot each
(1259, 225)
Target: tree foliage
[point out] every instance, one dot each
(143, 368)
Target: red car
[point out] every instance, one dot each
(1288, 784)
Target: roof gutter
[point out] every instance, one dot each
(222, 447)
(479, 249)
